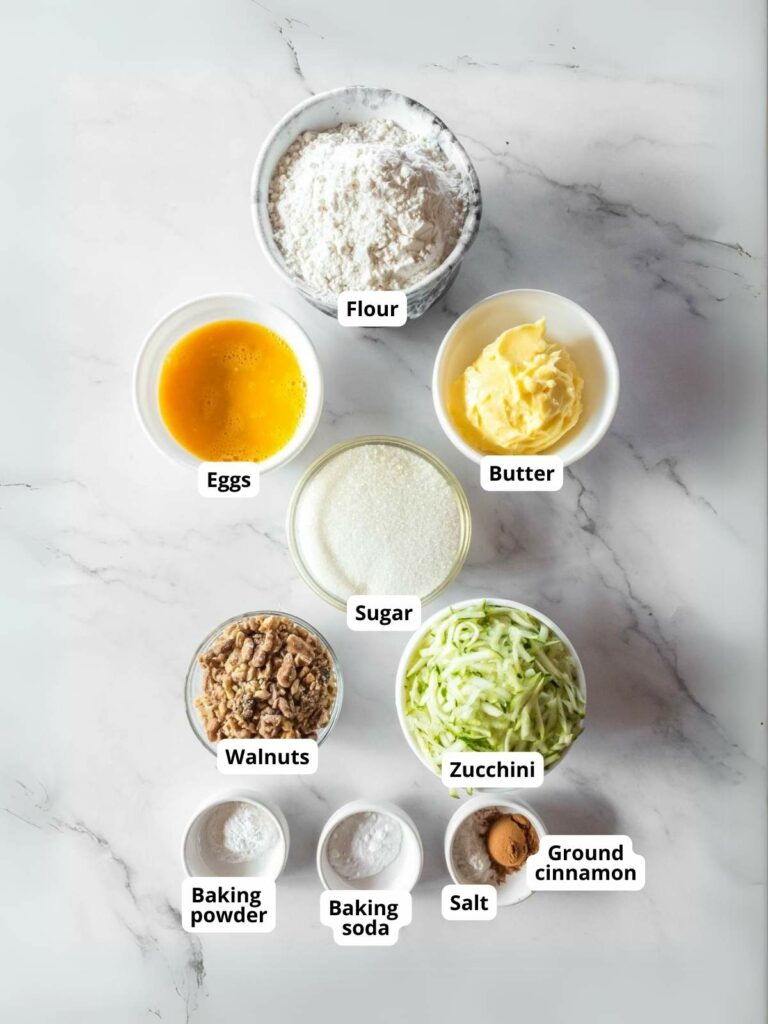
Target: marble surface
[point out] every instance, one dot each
(620, 152)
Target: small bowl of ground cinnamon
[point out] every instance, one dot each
(263, 675)
(488, 841)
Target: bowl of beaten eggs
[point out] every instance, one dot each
(526, 372)
(226, 378)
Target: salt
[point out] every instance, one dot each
(378, 519)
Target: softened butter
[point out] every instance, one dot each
(519, 397)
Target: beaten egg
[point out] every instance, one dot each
(232, 390)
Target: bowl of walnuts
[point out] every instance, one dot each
(263, 675)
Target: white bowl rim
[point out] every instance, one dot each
(469, 229)
(418, 634)
(497, 798)
(362, 806)
(244, 797)
(608, 410)
(312, 417)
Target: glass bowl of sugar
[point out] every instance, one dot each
(378, 515)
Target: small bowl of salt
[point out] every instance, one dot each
(238, 835)
(470, 851)
(368, 845)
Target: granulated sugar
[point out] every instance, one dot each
(378, 519)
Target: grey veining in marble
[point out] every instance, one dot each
(621, 164)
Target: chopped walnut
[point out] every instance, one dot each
(266, 677)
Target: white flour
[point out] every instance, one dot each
(364, 844)
(365, 207)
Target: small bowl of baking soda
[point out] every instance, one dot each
(363, 189)
(368, 845)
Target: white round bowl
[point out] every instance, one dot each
(356, 104)
(197, 313)
(193, 856)
(568, 325)
(416, 638)
(402, 874)
(514, 888)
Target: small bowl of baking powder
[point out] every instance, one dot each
(363, 189)
(239, 835)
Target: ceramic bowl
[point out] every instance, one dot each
(200, 862)
(568, 325)
(402, 874)
(417, 638)
(197, 313)
(356, 104)
(514, 888)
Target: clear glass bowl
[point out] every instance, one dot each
(465, 518)
(194, 680)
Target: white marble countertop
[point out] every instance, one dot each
(620, 152)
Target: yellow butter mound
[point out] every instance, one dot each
(519, 397)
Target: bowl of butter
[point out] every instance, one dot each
(526, 372)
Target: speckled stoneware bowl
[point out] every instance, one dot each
(355, 104)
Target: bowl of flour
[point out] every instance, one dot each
(362, 189)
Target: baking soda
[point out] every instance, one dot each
(364, 844)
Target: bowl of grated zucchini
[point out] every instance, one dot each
(490, 675)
